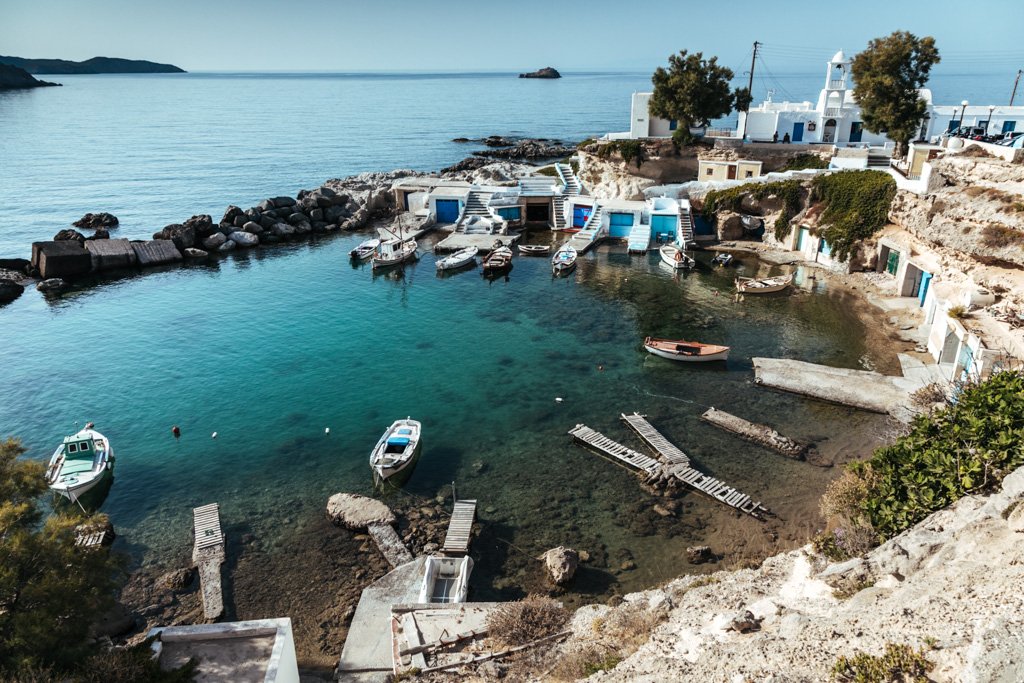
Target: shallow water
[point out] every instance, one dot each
(269, 348)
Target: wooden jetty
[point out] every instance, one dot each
(761, 434)
(460, 528)
(208, 554)
(653, 438)
(655, 469)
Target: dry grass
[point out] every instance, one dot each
(999, 236)
(973, 151)
(928, 395)
(843, 496)
(517, 623)
(1012, 203)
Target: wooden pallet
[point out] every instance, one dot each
(208, 554)
(206, 524)
(460, 528)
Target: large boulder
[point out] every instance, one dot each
(9, 291)
(244, 239)
(178, 580)
(226, 247)
(265, 205)
(231, 213)
(699, 554)
(68, 235)
(192, 252)
(282, 202)
(215, 240)
(296, 218)
(19, 264)
(729, 226)
(353, 511)
(561, 564)
(92, 221)
(52, 286)
(253, 227)
(183, 236)
(202, 224)
(282, 230)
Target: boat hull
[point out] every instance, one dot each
(744, 287)
(534, 249)
(73, 485)
(675, 258)
(661, 353)
(396, 450)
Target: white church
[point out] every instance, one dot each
(834, 119)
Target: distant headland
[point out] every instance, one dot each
(96, 65)
(13, 78)
(546, 72)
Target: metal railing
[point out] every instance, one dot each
(720, 133)
(833, 111)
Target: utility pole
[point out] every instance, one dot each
(1015, 83)
(750, 88)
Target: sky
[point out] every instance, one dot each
(460, 35)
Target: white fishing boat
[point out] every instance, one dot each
(686, 351)
(365, 250)
(463, 257)
(393, 252)
(674, 256)
(723, 258)
(445, 579)
(564, 260)
(749, 285)
(395, 450)
(534, 249)
(81, 462)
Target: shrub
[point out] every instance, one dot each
(629, 150)
(967, 447)
(517, 623)
(898, 664)
(583, 662)
(790, 192)
(548, 171)
(586, 143)
(999, 236)
(856, 207)
(957, 312)
(803, 161)
(928, 395)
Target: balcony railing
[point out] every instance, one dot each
(837, 84)
(833, 111)
(720, 133)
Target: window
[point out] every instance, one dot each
(672, 125)
(83, 446)
(72, 448)
(711, 171)
(748, 174)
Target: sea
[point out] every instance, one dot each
(297, 360)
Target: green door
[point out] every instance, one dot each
(893, 264)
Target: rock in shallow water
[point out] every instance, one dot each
(92, 221)
(67, 235)
(227, 246)
(698, 554)
(561, 564)
(9, 291)
(52, 285)
(353, 511)
(244, 239)
(192, 252)
(215, 240)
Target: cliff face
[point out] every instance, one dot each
(953, 585)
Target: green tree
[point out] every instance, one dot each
(693, 91)
(887, 77)
(50, 592)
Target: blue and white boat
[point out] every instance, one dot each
(81, 462)
(564, 260)
(395, 450)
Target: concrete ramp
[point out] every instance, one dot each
(391, 546)
(156, 252)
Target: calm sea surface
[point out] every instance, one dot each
(270, 347)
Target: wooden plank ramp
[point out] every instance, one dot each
(653, 438)
(612, 449)
(460, 528)
(208, 554)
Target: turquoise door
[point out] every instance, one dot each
(664, 228)
(619, 224)
(798, 132)
(925, 281)
(800, 238)
(856, 131)
(447, 210)
(1009, 126)
(824, 248)
(580, 214)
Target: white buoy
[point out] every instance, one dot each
(214, 435)
(327, 430)
(558, 399)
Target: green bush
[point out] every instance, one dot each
(967, 447)
(804, 161)
(789, 191)
(629, 150)
(856, 207)
(899, 664)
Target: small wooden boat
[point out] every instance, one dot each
(395, 450)
(686, 351)
(564, 260)
(675, 257)
(749, 285)
(497, 261)
(534, 249)
(723, 259)
(393, 252)
(364, 250)
(463, 257)
(81, 462)
(445, 579)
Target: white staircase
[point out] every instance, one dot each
(476, 205)
(571, 187)
(589, 235)
(640, 238)
(685, 227)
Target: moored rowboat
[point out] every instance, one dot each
(686, 351)
(749, 285)
(396, 449)
(534, 249)
(497, 261)
(564, 260)
(365, 250)
(675, 257)
(463, 257)
(81, 462)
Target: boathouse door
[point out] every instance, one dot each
(922, 292)
(447, 210)
(856, 131)
(798, 132)
(619, 225)
(580, 214)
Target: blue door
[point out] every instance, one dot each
(1009, 126)
(447, 210)
(664, 228)
(798, 132)
(619, 224)
(580, 214)
(801, 236)
(925, 280)
(824, 248)
(856, 131)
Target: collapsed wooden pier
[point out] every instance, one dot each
(761, 434)
(208, 554)
(673, 463)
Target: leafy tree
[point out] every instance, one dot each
(50, 592)
(887, 77)
(693, 91)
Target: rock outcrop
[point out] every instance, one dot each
(92, 221)
(9, 291)
(15, 78)
(546, 72)
(353, 511)
(561, 564)
(529, 149)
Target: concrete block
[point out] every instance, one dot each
(63, 259)
(156, 252)
(109, 254)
